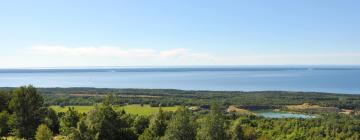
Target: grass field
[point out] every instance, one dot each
(131, 109)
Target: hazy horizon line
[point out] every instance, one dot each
(183, 66)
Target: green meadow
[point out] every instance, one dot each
(145, 110)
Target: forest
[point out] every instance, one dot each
(26, 114)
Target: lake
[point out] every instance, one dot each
(275, 114)
(320, 79)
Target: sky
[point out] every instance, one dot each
(77, 33)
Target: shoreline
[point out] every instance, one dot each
(190, 90)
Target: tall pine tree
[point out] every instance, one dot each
(26, 106)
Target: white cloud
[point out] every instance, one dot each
(92, 51)
(174, 53)
(112, 55)
(63, 56)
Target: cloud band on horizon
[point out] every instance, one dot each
(59, 56)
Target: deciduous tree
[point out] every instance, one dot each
(43, 133)
(212, 126)
(156, 128)
(181, 126)
(69, 121)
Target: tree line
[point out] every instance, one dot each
(170, 97)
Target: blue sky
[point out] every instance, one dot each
(43, 33)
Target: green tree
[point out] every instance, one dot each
(104, 123)
(26, 106)
(181, 126)
(52, 120)
(156, 128)
(109, 99)
(212, 126)
(4, 126)
(148, 135)
(4, 100)
(248, 133)
(237, 131)
(69, 121)
(43, 133)
(82, 132)
(74, 134)
(140, 124)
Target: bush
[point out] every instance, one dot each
(43, 133)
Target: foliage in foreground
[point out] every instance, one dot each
(25, 115)
(43, 133)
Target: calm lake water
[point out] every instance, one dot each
(273, 114)
(321, 79)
